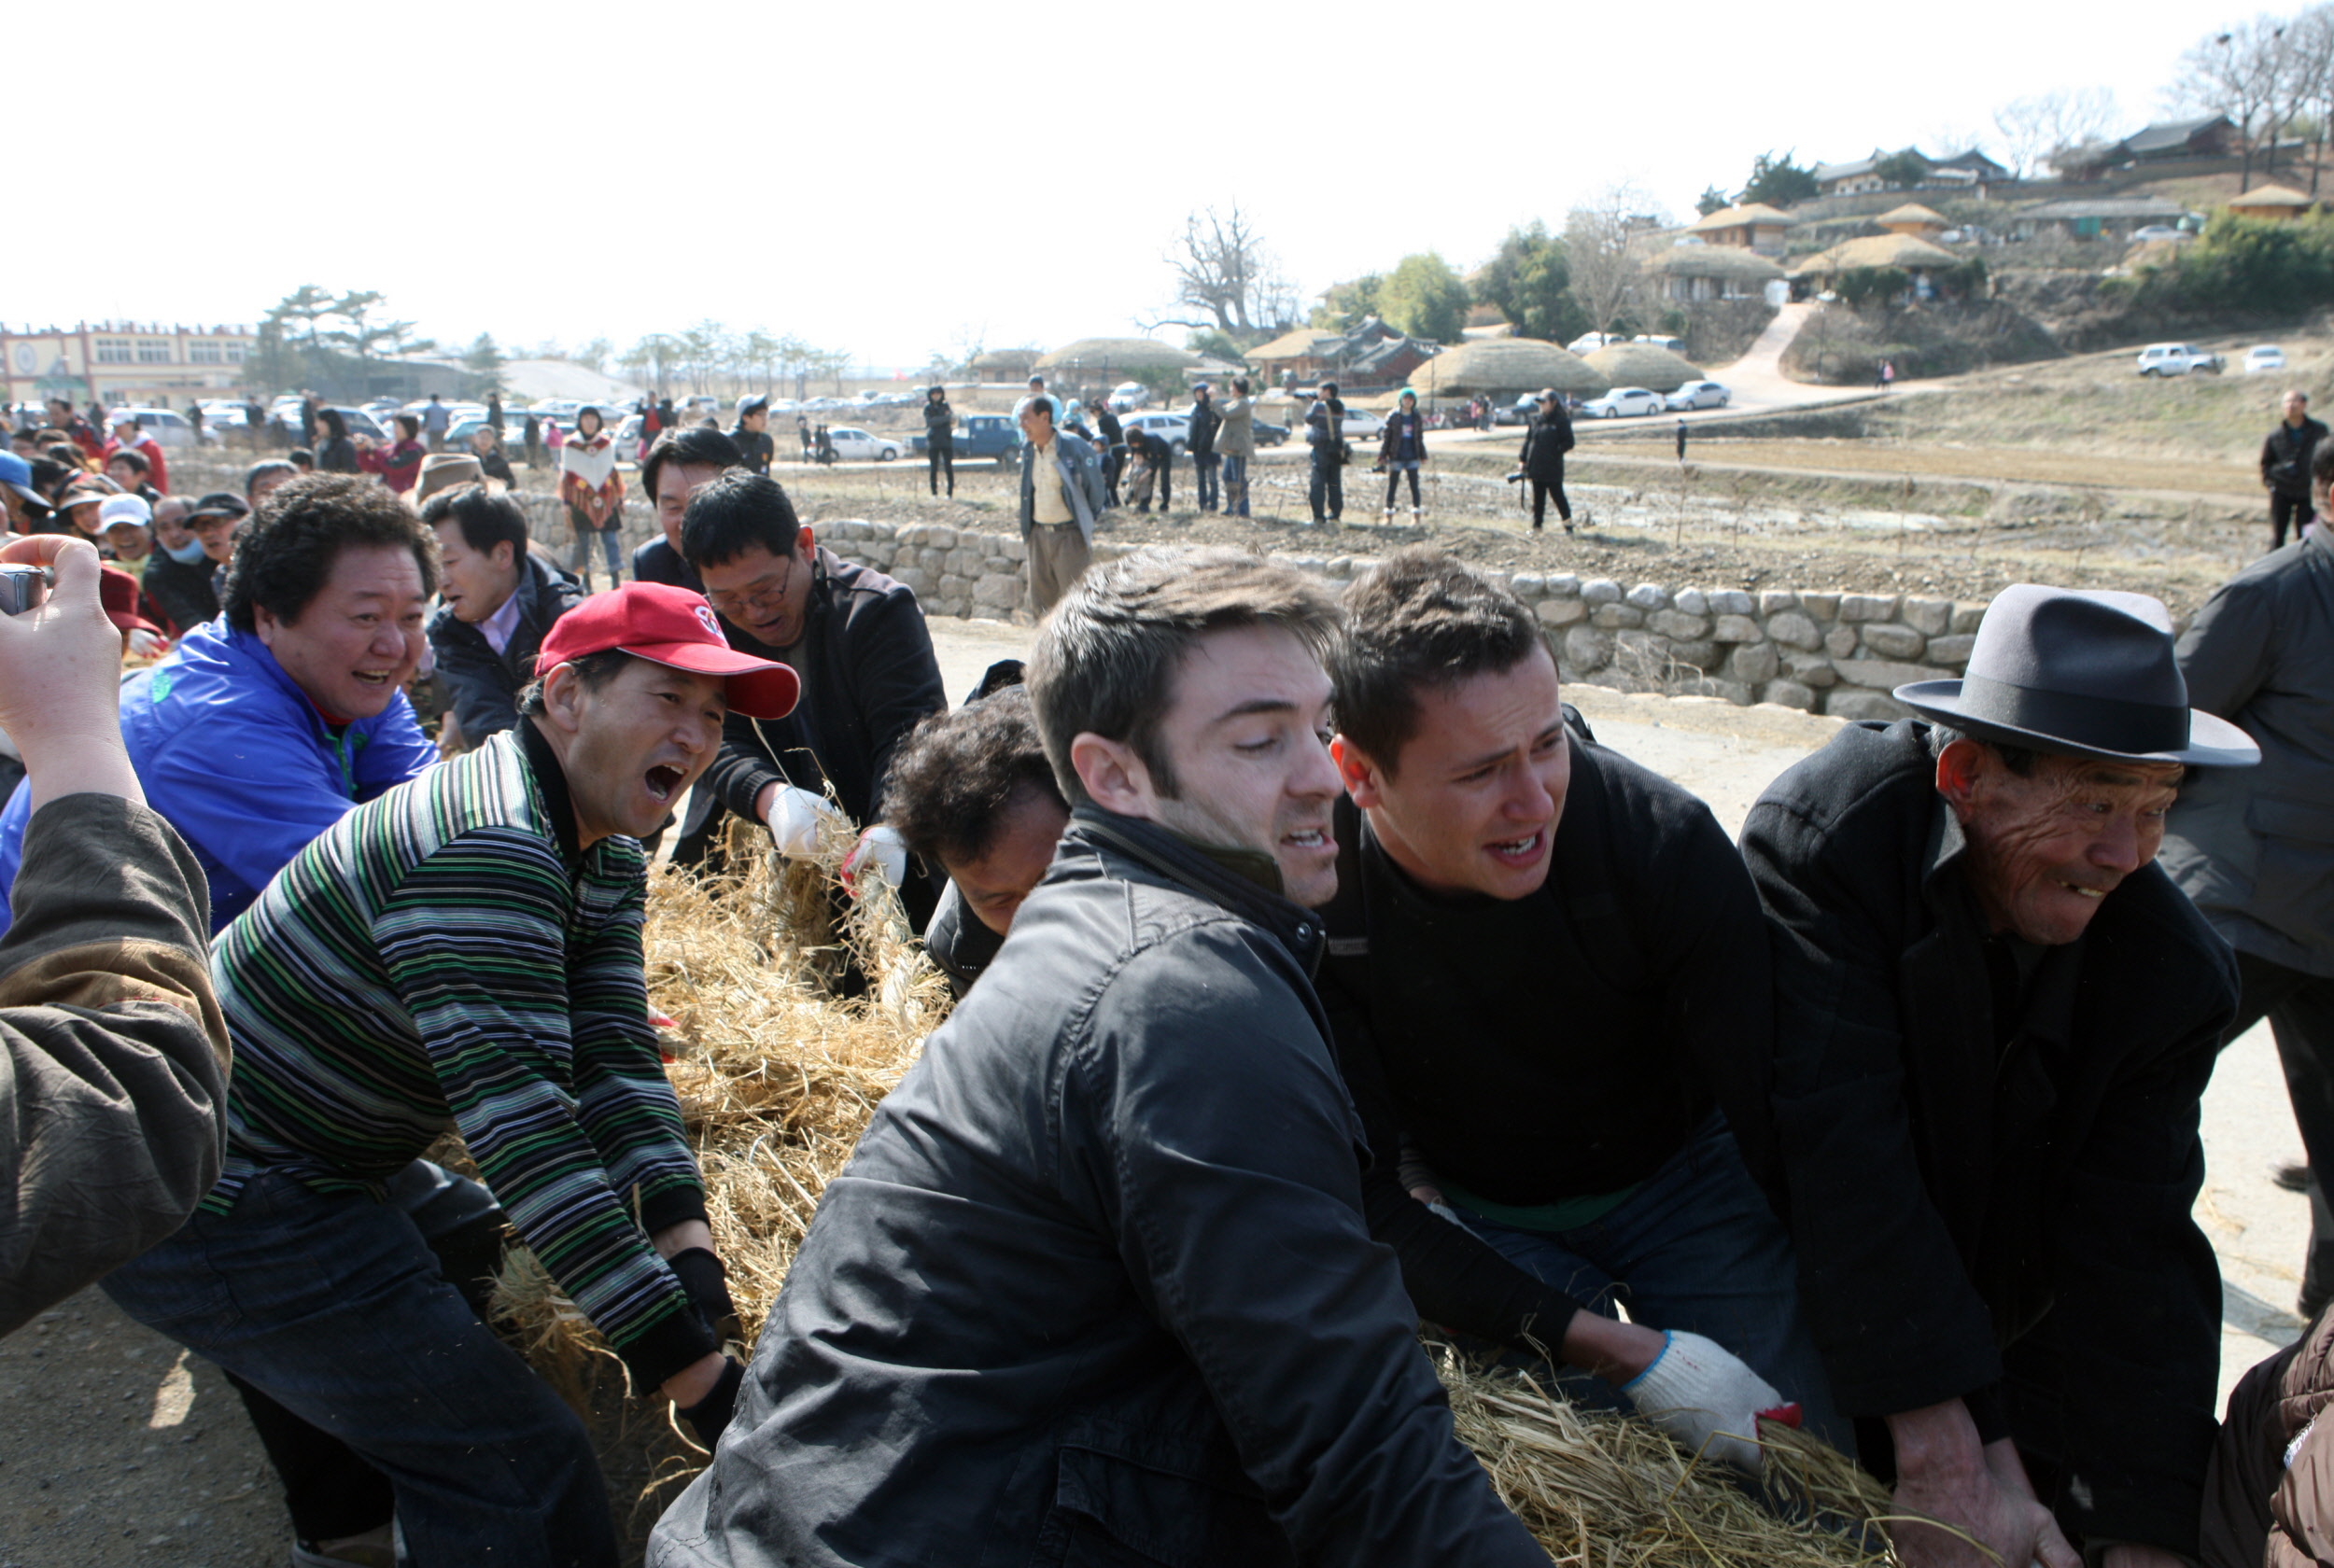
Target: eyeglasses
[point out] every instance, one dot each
(757, 603)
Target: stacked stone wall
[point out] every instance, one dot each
(1823, 653)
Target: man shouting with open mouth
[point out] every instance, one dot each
(464, 952)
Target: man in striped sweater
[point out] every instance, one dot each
(465, 952)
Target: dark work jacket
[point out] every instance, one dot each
(1404, 437)
(1961, 1208)
(2268, 1496)
(187, 595)
(958, 943)
(1649, 935)
(939, 423)
(2255, 846)
(1546, 439)
(485, 684)
(657, 561)
(868, 675)
(759, 450)
(1203, 422)
(2286, 456)
(1095, 1287)
(1107, 426)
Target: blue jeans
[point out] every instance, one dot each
(1207, 466)
(1696, 1247)
(334, 1307)
(1236, 485)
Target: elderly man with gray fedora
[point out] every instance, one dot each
(1995, 1017)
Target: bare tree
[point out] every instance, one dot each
(1600, 240)
(2242, 74)
(2310, 49)
(2040, 130)
(1223, 268)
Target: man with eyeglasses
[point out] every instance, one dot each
(857, 639)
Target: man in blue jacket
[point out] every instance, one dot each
(262, 727)
(260, 730)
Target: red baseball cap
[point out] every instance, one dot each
(669, 625)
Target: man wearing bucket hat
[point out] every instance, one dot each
(468, 947)
(1995, 1017)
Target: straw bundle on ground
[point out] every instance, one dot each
(776, 1079)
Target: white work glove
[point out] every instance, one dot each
(881, 845)
(1702, 1395)
(793, 820)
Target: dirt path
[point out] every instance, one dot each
(1880, 462)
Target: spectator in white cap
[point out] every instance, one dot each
(125, 530)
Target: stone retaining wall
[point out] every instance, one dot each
(1835, 653)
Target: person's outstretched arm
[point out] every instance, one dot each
(113, 1055)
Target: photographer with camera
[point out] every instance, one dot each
(113, 1055)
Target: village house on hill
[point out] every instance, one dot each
(1754, 226)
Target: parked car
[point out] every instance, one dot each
(1698, 394)
(2158, 231)
(1622, 402)
(2177, 360)
(2264, 357)
(1172, 429)
(1675, 345)
(1128, 394)
(858, 446)
(1267, 433)
(168, 426)
(1589, 343)
(457, 434)
(979, 436)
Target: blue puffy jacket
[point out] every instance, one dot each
(233, 755)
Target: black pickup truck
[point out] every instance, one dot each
(981, 435)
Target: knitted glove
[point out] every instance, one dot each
(710, 1416)
(795, 817)
(1706, 1398)
(701, 1275)
(880, 846)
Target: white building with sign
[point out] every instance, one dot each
(122, 361)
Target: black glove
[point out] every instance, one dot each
(701, 1275)
(710, 1416)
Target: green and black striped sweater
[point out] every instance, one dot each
(443, 956)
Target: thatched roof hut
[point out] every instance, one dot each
(1005, 364)
(1708, 272)
(1755, 227)
(1637, 364)
(1507, 365)
(1902, 251)
(1914, 219)
(1097, 355)
(2276, 201)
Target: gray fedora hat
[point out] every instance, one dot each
(2085, 672)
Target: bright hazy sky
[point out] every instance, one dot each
(870, 177)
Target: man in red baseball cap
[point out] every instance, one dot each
(465, 950)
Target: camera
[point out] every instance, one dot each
(22, 588)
